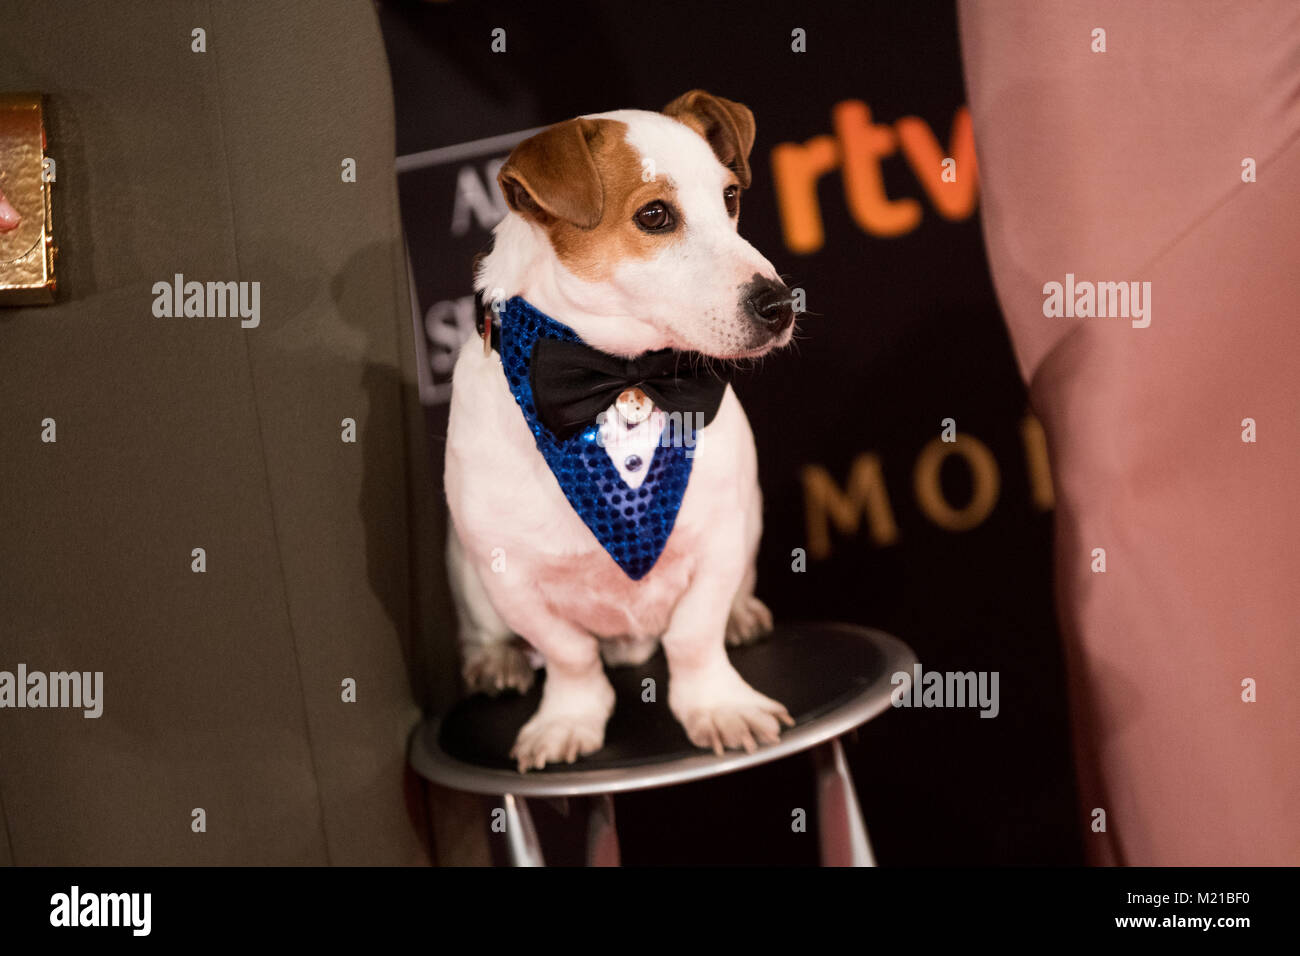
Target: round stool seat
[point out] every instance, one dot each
(831, 677)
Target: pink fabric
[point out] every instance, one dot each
(1127, 166)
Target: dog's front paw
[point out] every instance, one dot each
(749, 620)
(493, 668)
(569, 724)
(723, 712)
(554, 738)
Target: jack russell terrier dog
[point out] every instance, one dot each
(590, 517)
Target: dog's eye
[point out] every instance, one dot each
(731, 197)
(655, 217)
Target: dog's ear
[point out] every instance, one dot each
(552, 175)
(726, 125)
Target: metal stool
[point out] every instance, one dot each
(832, 678)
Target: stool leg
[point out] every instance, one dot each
(840, 826)
(522, 847)
(602, 834)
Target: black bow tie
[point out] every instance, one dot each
(573, 383)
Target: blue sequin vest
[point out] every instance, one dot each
(631, 524)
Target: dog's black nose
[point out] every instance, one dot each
(770, 304)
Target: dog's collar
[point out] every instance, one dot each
(631, 524)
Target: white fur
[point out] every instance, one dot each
(553, 583)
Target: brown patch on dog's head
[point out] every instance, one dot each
(727, 126)
(581, 181)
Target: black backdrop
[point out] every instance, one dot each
(903, 332)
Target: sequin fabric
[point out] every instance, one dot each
(631, 524)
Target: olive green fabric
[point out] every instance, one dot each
(223, 690)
